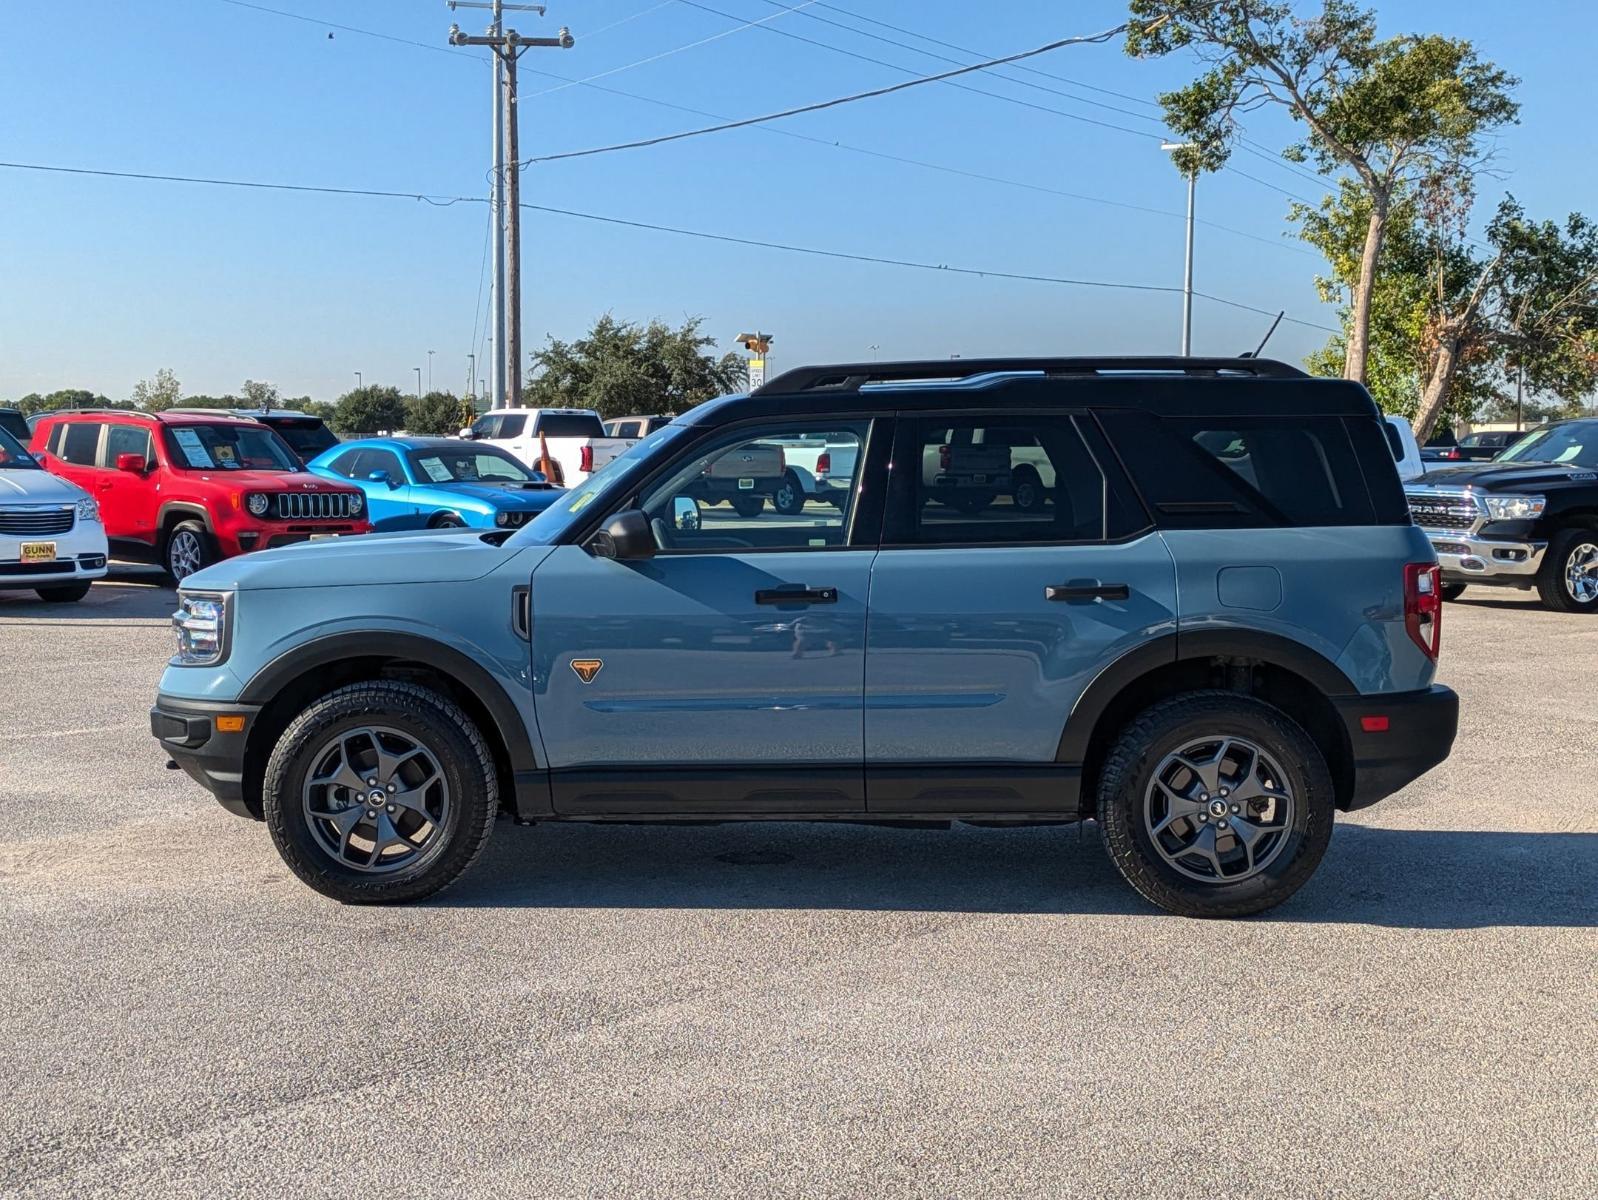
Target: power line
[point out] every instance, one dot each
(716, 37)
(387, 37)
(444, 202)
(874, 93)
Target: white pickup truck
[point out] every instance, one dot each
(575, 437)
(817, 467)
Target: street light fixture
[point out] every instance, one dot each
(358, 382)
(1187, 279)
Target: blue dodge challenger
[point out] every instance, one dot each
(438, 483)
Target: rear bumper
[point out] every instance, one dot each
(1419, 733)
(188, 733)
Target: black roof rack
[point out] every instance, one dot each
(851, 377)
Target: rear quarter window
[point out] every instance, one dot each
(585, 425)
(1249, 472)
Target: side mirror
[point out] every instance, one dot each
(626, 538)
(131, 462)
(382, 477)
(685, 514)
(468, 433)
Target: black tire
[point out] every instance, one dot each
(446, 521)
(789, 498)
(748, 506)
(1028, 490)
(66, 593)
(1553, 585)
(189, 547)
(1128, 775)
(970, 503)
(432, 721)
(1453, 591)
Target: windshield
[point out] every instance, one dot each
(13, 457)
(469, 465)
(230, 448)
(1576, 443)
(306, 438)
(548, 526)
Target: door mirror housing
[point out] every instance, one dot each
(382, 477)
(131, 462)
(627, 537)
(469, 434)
(685, 514)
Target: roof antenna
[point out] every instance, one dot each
(1266, 338)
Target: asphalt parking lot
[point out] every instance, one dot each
(789, 1010)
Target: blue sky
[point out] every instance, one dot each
(103, 281)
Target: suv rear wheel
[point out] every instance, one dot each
(1215, 804)
(380, 793)
(189, 548)
(1568, 580)
(789, 498)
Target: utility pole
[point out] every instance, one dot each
(1187, 277)
(507, 46)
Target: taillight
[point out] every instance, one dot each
(1423, 606)
(585, 459)
(823, 464)
(1452, 453)
(943, 458)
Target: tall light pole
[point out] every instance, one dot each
(429, 370)
(358, 382)
(418, 371)
(1187, 277)
(471, 376)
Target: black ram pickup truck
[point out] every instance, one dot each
(1528, 519)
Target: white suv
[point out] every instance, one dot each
(51, 539)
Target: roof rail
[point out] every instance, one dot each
(96, 408)
(851, 377)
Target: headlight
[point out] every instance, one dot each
(258, 503)
(1515, 508)
(201, 622)
(357, 504)
(88, 509)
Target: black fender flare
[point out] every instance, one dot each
(1171, 648)
(266, 683)
(187, 508)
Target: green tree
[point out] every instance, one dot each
(158, 394)
(1404, 115)
(621, 368)
(369, 410)
(260, 395)
(33, 402)
(212, 402)
(435, 414)
(1451, 327)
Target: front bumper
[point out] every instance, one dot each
(1418, 733)
(1471, 558)
(64, 570)
(212, 757)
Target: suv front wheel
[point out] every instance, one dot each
(1568, 580)
(380, 792)
(1215, 804)
(189, 548)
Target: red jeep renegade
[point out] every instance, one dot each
(186, 489)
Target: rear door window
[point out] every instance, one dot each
(585, 425)
(126, 439)
(80, 444)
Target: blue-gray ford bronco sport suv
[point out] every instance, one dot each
(1182, 597)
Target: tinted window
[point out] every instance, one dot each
(12, 456)
(80, 442)
(1247, 471)
(386, 461)
(566, 425)
(1000, 479)
(16, 425)
(344, 464)
(735, 494)
(511, 426)
(126, 439)
(306, 438)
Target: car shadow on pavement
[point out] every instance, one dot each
(128, 590)
(1410, 879)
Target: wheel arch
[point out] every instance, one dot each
(287, 684)
(1288, 674)
(173, 511)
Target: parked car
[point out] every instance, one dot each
(187, 489)
(1483, 446)
(51, 539)
(633, 428)
(1209, 652)
(1529, 519)
(438, 483)
(13, 422)
(306, 434)
(574, 438)
(815, 468)
(1406, 452)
